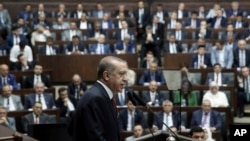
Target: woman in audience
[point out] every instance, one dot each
(185, 96)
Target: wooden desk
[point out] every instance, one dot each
(65, 66)
(5, 59)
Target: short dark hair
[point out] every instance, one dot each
(195, 129)
(61, 90)
(216, 64)
(19, 55)
(201, 46)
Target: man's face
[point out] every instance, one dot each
(37, 108)
(131, 106)
(79, 7)
(64, 94)
(214, 89)
(245, 72)
(117, 79)
(199, 136)
(153, 86)
(201, 51)
(241, 44)
(124, 25)
(138, 131)
(153, 67)
(76, 81)
(4, 70)
(38, 70)
(6, 91)
(101, 39)
(75, 41)
(39, 88)
(167, 107)
(206, 106)
(3, 113)
(217, 69)
(219, 46)
(172, 39)
(73, 26)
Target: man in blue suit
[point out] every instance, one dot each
(153, 73)
(206, 117)
(76, 47)
(101, 47)
(120, 34)
(49, 49)
(193, 22)
(126, 46)
(200, 59)
(26, 13)
(6, 77)
(130, 117)
(46, 99)
(99, 12)
(105, 22)
(234, 10)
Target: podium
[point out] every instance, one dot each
(160, 136)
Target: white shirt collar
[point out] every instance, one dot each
(107, 89)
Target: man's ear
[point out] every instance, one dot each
(105, 75)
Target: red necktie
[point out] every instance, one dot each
(114, 104)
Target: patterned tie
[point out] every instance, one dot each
(114, 104)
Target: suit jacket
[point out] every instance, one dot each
(16, 101)
(123, 119)
(159, 32)
(45, 24)
(47, 14)
(188, 22)
(81, 48)
(236, 57)
(175, 116)
(223, 22)
(215, 119)
(55, 14)
(98, 124)
(89, 24)
(130, 47)
(29, 119)
(66, 34)
(6, 19)
(11, 79)
(29, 81)
(165, 14)
(243, 23)
(107, 48)
(64, 109)
(145, 17)
(63, 26)
(94, 13)
(72, 88)
(146, 97)
(230, 12)
(183, 33)
(210, 77)
(10, 39)
(43, 50)
(146, 77)
(223, 35)
(25, 15)
(246, 33)
(30, 100)
(118, 34)
(184, 13)
(74, 14)
(228, 57)
(208, 34)
(207, 60)
(91, 33)
(118, 101)
(178, 47)
(129, 22)
(18, 66)
(110, 24)
(12, 123)
(194, 47)
(115, 13)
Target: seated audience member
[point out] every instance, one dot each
(208, 134)
(137, 132)
(49, 48)
(153, 96)
(230, 30)
(118, 21)
(120, 33)
(157, 28)
(130, 117)
(77, 87)
(218, 21)
(61, 12)
(230, 43)
(240, 55)
(46, 99)
(243, 89)
(169, 116)
(9, 100)
(35, 117)
(6, 22)
(7, 78)
(93, 33)
(22, 64)
(101, 47)
(220, 54)
(181, 11)
(5, 120)
(121, 9)
(161, 13)
(197, 133)
(172, 46)
(99, 11)
(24, 28)
(21, 48)
(60, 24)
(145, 63)
(84, 23)
(105, 22)
(193, 22)
(203, 32)
(38, 76)
(76, 47)
(66, 103)
(153, 73)
(26, 13)
(200, 59)
(217, 98)
(217, 76)
(200, 41)
(234, 10)
(77, 13)
(240, 23)
(41, 10)
(67, 34)
(15, 37)
(179, 33)
(42, 21)
(186, 96)
(126, 46)
(186, 75)
(171, 23)
(122, 97)
(40, 34)
(206, 116)
(212, 11)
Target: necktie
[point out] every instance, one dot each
(204, 119)
(39, 98)
(217, 78)
(167, 122)
(37, 120)
(114, 105)
(152, 76)
(242, 58)
(4, 81)
(132, 120)
(8, 102)
(16, 40)
(77, 91)
(121, 99)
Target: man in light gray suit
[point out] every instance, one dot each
(67, 34)
(222, 55)
(217, 76)
(10, 101)
(5, 20)
(5, 120)
(60, 24)
(36, 117)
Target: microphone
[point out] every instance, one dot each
(142, 103)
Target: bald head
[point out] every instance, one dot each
(76, 79)
(4, 70)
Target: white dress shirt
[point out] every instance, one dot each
(130, 124)
(70, 106)
(160, 16)
(167, 119)
(10, 105)
(218, 99)
(79, 14)
(42, 101)
(15, 51)
(83, 25)
(173, 49)
(105, 25)
(217, 79)
(180, 14)
(37, 78)
(100, 49)
(50, 50)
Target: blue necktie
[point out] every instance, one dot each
(152, 76)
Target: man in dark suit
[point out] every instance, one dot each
(26, 13)
(122, 97)
(66, 103)
(99, 11)
(6, 77)
(118, 21)
(234, 10)
(77, 87)
(127, 46)
(120, 34)
(153, 96)
(169, 116)
(218, 21)
(217, 76)
(105, 22)
(42, 21)
(179, 33)
(100, 47)
(240, 23)
(206, 117)
(153, 73)
(161, 13)
(36, 117)
(101, 123)
(77, 13)
(241, 55)
(41, 10)
(76, 47)
(200, 59)
(46, 99)
(84, 23)
(193, 22)
(94, 32)
(121, 9)
(230, 30)
(38, 76)
(49, 49)
(172, 46)
(22, 64)
(181, 11)
(5, 120)
(204, 32)
(130, 117)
